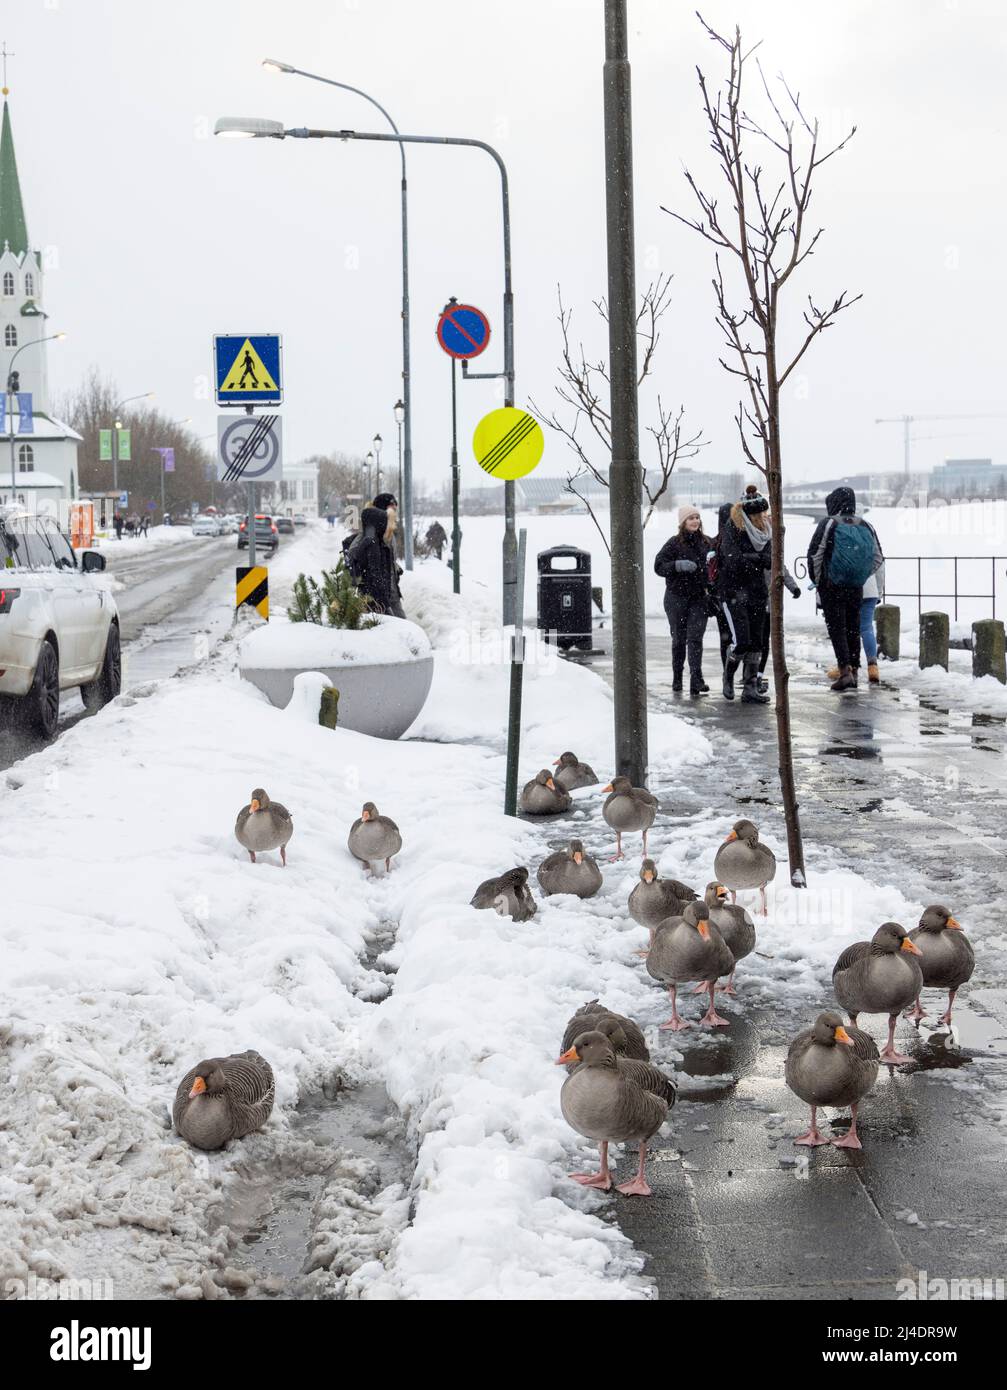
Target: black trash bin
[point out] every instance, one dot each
(564, 595)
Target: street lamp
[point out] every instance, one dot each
(258, 128)
(370, 475)
(406, 480)
(376, 441)
(399, 411)
(13, 382)
(142, 396)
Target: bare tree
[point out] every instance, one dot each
(584, 389)
(762, 232)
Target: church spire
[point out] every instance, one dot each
(13, 229)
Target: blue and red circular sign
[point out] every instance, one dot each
(463, 331)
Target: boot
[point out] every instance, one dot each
(833, 673)
(847, 680)
(730, 666)
(752, 695)
(697, 686)
(873, 674)
(763, 684)
(676, 679)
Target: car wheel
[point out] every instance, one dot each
(108, 682)
(40, 706)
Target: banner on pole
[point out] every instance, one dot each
(105, 446)
(124, 443)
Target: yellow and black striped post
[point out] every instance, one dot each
(252, 587)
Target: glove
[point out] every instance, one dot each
(685, 567)
(792, 585)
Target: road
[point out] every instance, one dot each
(903, 792)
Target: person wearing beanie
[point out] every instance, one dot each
(681, 562)
(715, 578)
(745, 558)
(844, 555)
(372, 563)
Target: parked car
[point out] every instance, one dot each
(205, 526)
(285, 525)
(300, 519)
(228, 525)
(59, 626)
(266, 533)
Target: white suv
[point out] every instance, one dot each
(59, 627)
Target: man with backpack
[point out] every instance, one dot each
(843, 555)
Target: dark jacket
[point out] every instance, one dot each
(741, 569)
(841, 502)
(684, 545)
(371, 561)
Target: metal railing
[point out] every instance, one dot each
(916, 565)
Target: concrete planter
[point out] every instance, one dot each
(381, 697)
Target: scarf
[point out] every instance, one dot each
(760, 539)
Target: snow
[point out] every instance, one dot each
(281, 644)
(156, 537)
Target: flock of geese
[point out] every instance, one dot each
(613, 1094)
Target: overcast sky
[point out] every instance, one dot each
(166, 235)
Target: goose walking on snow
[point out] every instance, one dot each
(947, 959)
(880, 976)
(374, 837)
(628, 808)
(689, 948)
(734, 925)
(742, 861)
(264, 825)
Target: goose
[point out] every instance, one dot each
(613, 1100)
(508, 895)
(655, 899)
(689, 948)
(542, 797)
(743, 862)
(573, 773)
(821, 1073)
(223, 1098)
(625, 1036)
(628, 808)
(947, 958)
(734, 925)
(570, 871)
(880, 976)
(373, 837)
(264, 825)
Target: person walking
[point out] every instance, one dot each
(681, 562)
(144, 525)
(868, 633)
(117, 523)
(843, 555)
(371, 560)
(713, 577)
(744, 559)
(436, 538)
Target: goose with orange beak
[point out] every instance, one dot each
(882, 975)
(689, 948)
(654, 899)
(742, 861)
(946, 957)
(224, 1098)
(570, 871)
(264, 825)
(374, 837)
(571, 773)
(627, 809)
(613, 1100)
(542, 797)
(734, 925)
(828, 1064)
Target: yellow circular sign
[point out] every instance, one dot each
(508, 443)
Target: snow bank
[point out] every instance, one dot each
(282, 645)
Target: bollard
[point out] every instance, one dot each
(988, 649)
(934, 633)
(328, 713)
(887, 622)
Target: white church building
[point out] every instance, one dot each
(44, 459)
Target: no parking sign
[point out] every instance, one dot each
(463, 331)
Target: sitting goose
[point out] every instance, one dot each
(880, 976)
(625, 1036)
(742, 862)
(734, 925)
(223, 1098)
(655, 899)
(570, 871)
(628, 808)
(821, 1073)
(508, 895)
(264, 825)
(613, 1100)
(573, 773)
(373, 837)
(689, 948)
(947, 958)
(542, 797)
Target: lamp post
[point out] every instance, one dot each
(13, 383)
(370, 476)
(258, 128)
(185, 420)
(399, 411)
(406, 479)
(377, 441)
(117, 426)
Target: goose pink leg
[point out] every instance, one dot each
(811, 1139)
(638, 1186)
(283, 855)
(763, 910)
(916, 1012)
(618, 848)
(644, 855)
(889, 1055)
(729, 987)
(711, 1016)
(945, 1017)
(602, 1179)
(850, 1139)
(675, 1023)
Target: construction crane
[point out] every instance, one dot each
(907, 420)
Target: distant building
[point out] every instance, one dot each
(298, 491)
(703, 487)
(45, 460)
(969, 478)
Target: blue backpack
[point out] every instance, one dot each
(852, 558)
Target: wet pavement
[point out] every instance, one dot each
(903, 792)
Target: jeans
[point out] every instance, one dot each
(867, 633)
(841, 604)
(687, 618)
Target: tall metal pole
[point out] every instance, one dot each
(115, 456)
(516, 687)
(456, 535)
(628, 632)
(10, 426)
(252, 554)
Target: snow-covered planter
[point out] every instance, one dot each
(383, 673)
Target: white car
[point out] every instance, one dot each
(228, 525)
(205, 526)
(59, 626)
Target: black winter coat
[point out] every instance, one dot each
(373, 562)
(684, 545)
(741, 569)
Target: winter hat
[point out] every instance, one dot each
(384, 500)
(841, 501)
(685, 512)
(753, 501)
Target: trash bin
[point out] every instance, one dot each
(564, 595)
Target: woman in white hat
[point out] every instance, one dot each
(681, 562)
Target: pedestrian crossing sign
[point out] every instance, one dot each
(248, 369)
